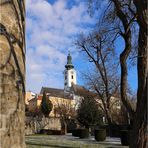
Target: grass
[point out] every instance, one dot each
(48, 141)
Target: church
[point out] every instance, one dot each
(70, 94)
(69, 80)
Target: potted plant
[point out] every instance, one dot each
(100, 134)
(124, 136)
(83, 133)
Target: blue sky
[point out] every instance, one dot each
(51, 29)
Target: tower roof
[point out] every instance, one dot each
(69, 64)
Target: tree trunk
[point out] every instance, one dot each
(139, 135)
(109, 119)
(63, 127)
(12, 74)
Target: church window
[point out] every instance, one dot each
(72, 77)
(65, 83)
(65, 77)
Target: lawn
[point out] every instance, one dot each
(46, 141)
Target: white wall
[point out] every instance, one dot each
(69, 80)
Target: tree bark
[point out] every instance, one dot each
(12, 74)
(124, 55)
(139, 136)
(138, 133)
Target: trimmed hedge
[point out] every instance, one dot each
(124, 135)
(81, 133)
(43, 131)
(50, 132)
(100, 134)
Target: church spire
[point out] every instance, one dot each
(69, 64)
(69, 74)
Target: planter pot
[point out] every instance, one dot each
(124, 135)
(83, 133)
(100, 135)
(75, 132)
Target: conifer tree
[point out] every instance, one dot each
(88, 113)
(46, 105)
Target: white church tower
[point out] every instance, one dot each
(69, 74)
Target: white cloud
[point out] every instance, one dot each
(50, 32)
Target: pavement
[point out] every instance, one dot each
(91, 140)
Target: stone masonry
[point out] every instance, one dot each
(35, 124)
(12, 73)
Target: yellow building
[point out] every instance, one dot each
(58, 98)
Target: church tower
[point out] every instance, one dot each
(69, 74)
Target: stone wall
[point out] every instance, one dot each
(35, 124)
(12, 73)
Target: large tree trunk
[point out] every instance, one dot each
(139, 135)
(12, 74)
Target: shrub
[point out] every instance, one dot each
(83, 133)
(124, 135)
(100, 134)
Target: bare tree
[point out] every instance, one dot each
(105, 82)
(65, 109)
(126, 15)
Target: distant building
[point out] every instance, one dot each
(29, 96)
(70, 94)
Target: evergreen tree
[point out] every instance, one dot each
(88, 113)
(46, 105)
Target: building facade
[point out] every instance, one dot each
(29, 96)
